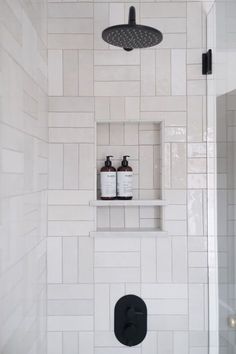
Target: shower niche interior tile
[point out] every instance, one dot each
(143, 215)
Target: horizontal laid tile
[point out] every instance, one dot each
(164, 291)
(114, 57)
(71, 104)
(71, 135)
(168, 322)
(117, 245)
(163, 9)
(119, 259)
(70, 228)
(72, 25)
(116, 73)
(70, 41)
(69, 197)
(70, 292)
(161, 103)
(70, 323)
(167, 307)
(116, 275)
(70, 307)
(71, 119)
(117, 88)
(70, 10)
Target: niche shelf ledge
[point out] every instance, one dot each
(127, 203)
(128, 233)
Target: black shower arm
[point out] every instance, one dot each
(132, 16)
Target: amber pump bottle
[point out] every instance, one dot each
(108, 180)
(125, 180)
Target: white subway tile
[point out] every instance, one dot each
(114, 57)
(148, 260)
(70, 41)
(164, 260)
(54, 343)
(164, 291)
(117, 108)
(70, 307)
(70, 260)
(70, 10)
(54, 260)
(70, 323)
(167, 306)
(86, 343)
(117, 245)
(181, 344)
(117, 275)
(55, 166)
(85, 264)
(178, 72)
(163, 9)
(163, 72)
(70, 73)
(71, 168)
(70, 212)
(146, 167)
(71, 135)
(55, 71)
(194, 25)
(86, 168)
(148, 73)
(119, 259)
(70, 25)
(117, 88)
(165, 342)
(70, 342)
(67, 291)
(196, 307)
(163, 103)
(70, 228)
(178, 164)
(179, 259)
(102, 313)
(71, 104)
(85, 73)
(62, 197)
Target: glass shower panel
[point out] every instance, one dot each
(221, 100)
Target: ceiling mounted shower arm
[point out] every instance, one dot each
(132, 16)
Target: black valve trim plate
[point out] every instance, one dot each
(130, 320)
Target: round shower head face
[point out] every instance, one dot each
(132, 36)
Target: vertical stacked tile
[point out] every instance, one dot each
(71, 178)
(24, 174)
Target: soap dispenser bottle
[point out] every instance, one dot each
(108, 180)
(125, 180)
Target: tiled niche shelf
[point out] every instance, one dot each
(143, 216)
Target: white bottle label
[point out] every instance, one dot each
(124, 184)
(108, 184)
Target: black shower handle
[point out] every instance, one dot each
(132, 313)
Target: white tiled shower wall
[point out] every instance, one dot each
(88, 81)
(24, 159)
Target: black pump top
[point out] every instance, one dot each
(108, 162)
(125, 162)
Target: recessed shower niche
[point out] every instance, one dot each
(143, 215)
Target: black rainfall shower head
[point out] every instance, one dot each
(130, 36)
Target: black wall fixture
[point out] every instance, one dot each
(207, 63)
(130, 320)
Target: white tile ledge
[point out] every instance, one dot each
(147, 232)
(128, 203)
